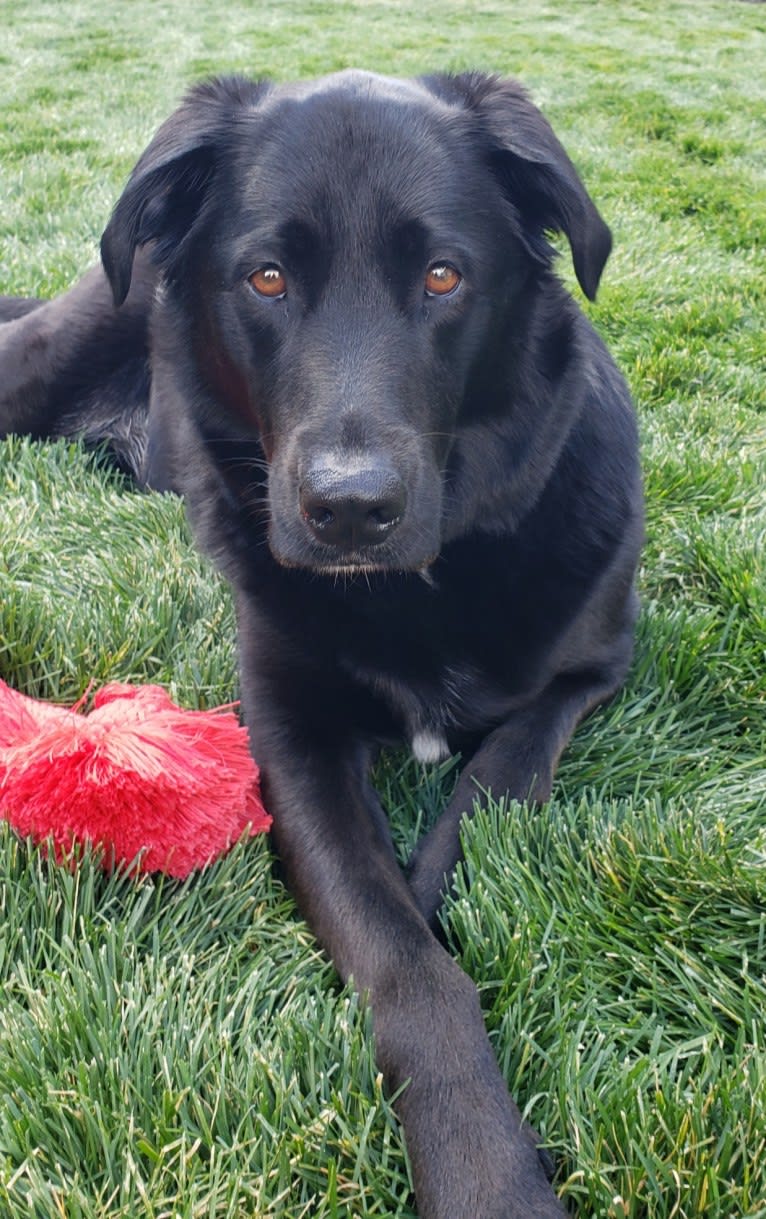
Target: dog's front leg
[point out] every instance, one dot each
(471, 1155)
(518, 759)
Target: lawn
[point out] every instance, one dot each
(182, 1050)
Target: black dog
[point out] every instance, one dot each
(336, 330)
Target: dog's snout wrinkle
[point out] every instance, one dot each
(351, 510)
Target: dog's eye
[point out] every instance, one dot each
(442, 279)
(269, 281)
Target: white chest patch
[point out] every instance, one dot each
(429, 746)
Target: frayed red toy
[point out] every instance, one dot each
(153, 786)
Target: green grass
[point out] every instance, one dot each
(184, 1050)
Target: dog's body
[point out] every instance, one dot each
(408, 450)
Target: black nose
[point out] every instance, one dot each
(352, 509)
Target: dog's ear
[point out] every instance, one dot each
(167, 188)
(535, 171)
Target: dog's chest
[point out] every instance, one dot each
(432, 711)
(429, 662)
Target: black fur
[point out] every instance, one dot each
(428, 505)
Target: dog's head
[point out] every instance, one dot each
(347, 264)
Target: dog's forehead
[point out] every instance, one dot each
(358, 84)
(356, 135)
(354, 108)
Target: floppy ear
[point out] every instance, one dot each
(167, 188)
(535, 172)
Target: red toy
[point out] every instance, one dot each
(156, 787)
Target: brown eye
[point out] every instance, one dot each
(269, 281)
(442, 279)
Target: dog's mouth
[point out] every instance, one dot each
(403, 548)
(363, 565)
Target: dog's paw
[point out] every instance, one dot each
(481, 1163)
